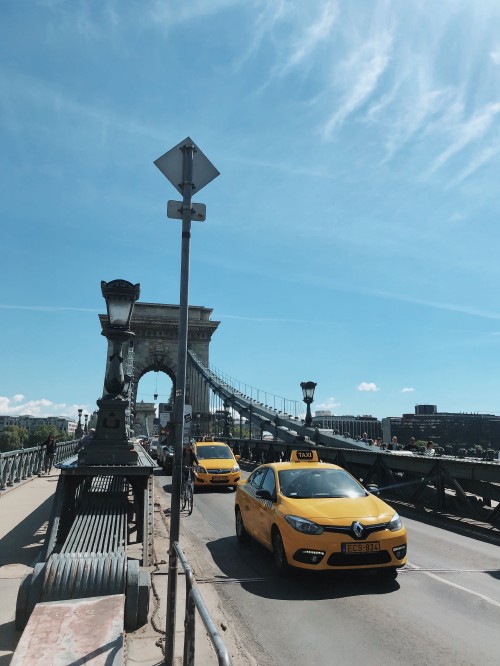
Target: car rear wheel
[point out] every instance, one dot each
(279, 554)
(241, 532)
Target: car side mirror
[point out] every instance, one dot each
(265, 495)
(373, 489)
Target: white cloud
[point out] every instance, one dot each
(465, 133)
(495, 55)
(42, 407)
(407, 390)
(329, 404)
(361, 74)
(367, 386)
(311, 37)
(45, 308)
(166, 14)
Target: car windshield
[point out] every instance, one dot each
(309, 483)
(213, 451)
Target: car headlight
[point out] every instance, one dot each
(200, 469)
(303, 525)
(395, 523)
(236, 468)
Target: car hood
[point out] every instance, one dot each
(217, 462)
(331, 511)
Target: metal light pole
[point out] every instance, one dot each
(308, 393)
(179, 165)
(79, 429)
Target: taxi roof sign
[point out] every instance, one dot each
(304, 456)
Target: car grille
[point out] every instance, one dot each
(358, 559)
(367, 530)
(218, 471)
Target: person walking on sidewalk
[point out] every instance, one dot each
(49, 449)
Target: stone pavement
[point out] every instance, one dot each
(24, 514)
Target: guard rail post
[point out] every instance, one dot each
(195, 600)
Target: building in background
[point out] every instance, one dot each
(354, 426)
(444, 428)
(29, 422)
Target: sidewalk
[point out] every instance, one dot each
(24, 514)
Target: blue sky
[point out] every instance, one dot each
(351, 239)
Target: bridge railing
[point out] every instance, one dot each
(18, 465)
(194, 601)
(464, 487)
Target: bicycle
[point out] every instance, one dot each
(187, 490)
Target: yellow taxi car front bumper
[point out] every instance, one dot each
(222, 478)
(331, 551)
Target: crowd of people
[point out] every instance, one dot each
(394, 445)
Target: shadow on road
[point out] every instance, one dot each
(22, 544)
(252, 566)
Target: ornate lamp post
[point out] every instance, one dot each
(308, 393)
(79, 429)
(110, 444)
(86, 427)
(225, 430)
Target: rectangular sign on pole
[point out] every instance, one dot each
(198, 211)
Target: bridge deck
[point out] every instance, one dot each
(25, 511)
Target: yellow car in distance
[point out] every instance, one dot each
(217, 465)
(316, 516)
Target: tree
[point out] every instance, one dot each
(12, 438)
(40, 434)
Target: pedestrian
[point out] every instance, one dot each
(85, 439)
(49, 450)
(412, 445)
(430, 448)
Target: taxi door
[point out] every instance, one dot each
(250, 504)
(265, 508)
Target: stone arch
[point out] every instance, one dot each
(154, 347)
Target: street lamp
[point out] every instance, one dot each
(79, 429)
(110, 443)
(308, 393)
(86, 427)
(225, 430)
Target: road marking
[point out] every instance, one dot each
(233, 580)
(488, 600)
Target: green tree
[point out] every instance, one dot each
(40, 434)
(12, 438)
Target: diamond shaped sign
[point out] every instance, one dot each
(171, 163)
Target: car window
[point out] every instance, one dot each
(255, 479)
(269, 482)
(309, 483)
(221, 451)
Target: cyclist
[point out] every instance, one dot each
(188, 460)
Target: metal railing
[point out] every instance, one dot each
(16, 466)
(470, 486)
(194, 601)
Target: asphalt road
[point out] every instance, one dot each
(444, 607)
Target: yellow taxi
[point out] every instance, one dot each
(315, 515)
(217, 465)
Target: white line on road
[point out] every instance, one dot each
(488, 600)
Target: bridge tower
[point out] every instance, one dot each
(156, 329)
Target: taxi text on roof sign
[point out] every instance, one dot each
(304, 456)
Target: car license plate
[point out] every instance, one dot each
(365, 547)
(220, 479)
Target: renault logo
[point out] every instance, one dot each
(358, 530)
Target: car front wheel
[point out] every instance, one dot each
(279, 553)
